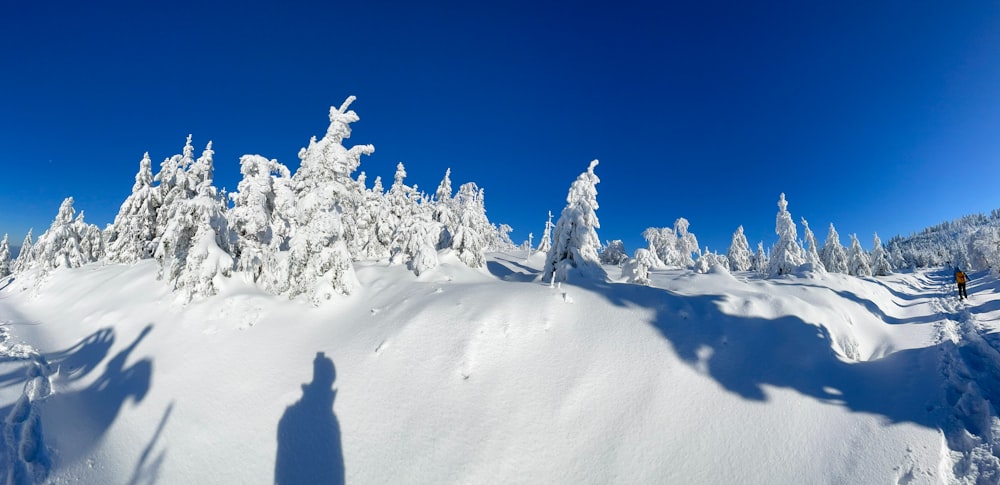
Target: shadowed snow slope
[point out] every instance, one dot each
(492, 376)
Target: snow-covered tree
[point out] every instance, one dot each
(687, 243)
(662, 245)
(26, 257)
(260, 217)
(739, 254)
(759, 263)
(984, 248)
(614, 252)
(503, 241)
(832, 254)
(672, 247)
(880, 265)
(193, 248)
(636, 269)
(472, 228)
(786, 254)
(546, 243)
(896, 257)
(575, 242)
(5, 262)
(374, 231)
(444, 211)
(858, 263)
(132, 234)
(707, 259)
(59, 247)
(318, 262)
(812, 249)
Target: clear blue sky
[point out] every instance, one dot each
(876, 116)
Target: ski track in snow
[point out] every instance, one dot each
(971, 367)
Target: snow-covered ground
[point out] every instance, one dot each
(492, 376)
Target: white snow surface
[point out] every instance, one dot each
(492, 375)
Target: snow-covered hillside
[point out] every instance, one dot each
(491, 375)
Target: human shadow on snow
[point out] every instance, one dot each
(747, 354)
(309, 448)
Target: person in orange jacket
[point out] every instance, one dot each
(961, 279)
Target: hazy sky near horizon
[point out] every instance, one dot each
(875, 116)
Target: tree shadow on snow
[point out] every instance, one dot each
(81, 418)
(506, 271)
(747, 354)
(76, 421)
(309, 449)
(148, 469)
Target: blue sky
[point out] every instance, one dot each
(876, 116)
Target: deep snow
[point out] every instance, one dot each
(493, 376)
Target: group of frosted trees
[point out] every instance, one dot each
(292, 234)
(299, 234)
(789, 254)
(678, 247)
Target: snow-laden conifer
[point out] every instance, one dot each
(636, 269)
(739, 254)
(760, 263)
(662, 243)
(26, 255)
(858, 263)
(707, 259)
(193, 248)
(880, 264)
(832, 254)
(786, 255)
(687, 243)
(444, 210)
(5, 261)
(472, 228)
(259, 224)
(318, 262)
(575, 243)
(327, 165)
(812, 249)
(134, 230)
(503, 242)
(59, 246)
(613, 252)
(546, 243)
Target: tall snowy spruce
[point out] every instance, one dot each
(132, 234)
(444, 211)
(879, 258)
(740, 257)
(193, 245)
(575, 244)
(5, 262)
(26, 257)
(546, 243)
(318, 262)
(858, 263)
(260, 217)
(812, 249)
(833, 254)
(759, 264)
(472, 227)
(786, 254)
